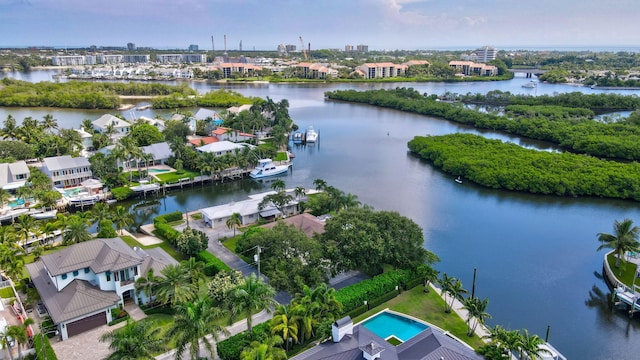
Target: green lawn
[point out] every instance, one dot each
(173, 177)
(625, 272)
(164, 246)
(6, 293)
(430, 308)
(281, 156)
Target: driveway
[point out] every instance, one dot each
(85, 345)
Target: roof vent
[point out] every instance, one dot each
(371, 351)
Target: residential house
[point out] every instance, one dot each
(206, 114)
(355, 342)
(87, 140)
(315, 71)
(217, 216)
(14, 175)
(120, 126)
(80, 284)
(159, 124)
(161, 153)
(65, 171)
(221, 148)
(239, 109)
(305, 222)
(228, 134)
(202, 141)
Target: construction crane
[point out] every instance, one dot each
(304, 52)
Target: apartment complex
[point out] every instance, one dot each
(486, 54)
(315, 71)
(73, 60)
(469, 68)
(229, 68)
(181, 58)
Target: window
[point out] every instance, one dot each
(108, 274)
(115, 276)
(135, 271)
(86, 270)
(75, 273)
(64, 276)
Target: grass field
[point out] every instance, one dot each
(625, 272)
(164, 246)
(173, 177)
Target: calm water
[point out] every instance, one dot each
(536, 256)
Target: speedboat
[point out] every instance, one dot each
(45, 215)
(530, 85)
(266, 168)
(459, 180)
(311, 135)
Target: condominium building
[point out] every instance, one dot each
(73, 60)
(469, 68)
(109, 59)
(362, 48)
(486, 54)
(194, 58)
(348, 48)
(136, 58)
(315, 71)
(381, 70)
(229, 68)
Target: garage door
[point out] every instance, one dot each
(85, 324)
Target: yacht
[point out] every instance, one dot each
(530, 85)
(311, 135)
(266, 168)
(298, 137)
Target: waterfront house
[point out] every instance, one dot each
(207, 114)
(14, 175)
(305, 222)
(217, 216)
(355, 342)
(159, 124)
(87, 140)
(223, 133)
(161, 153)
(65, 171)
(381, 70)
(120, 126)
(221, 148)
(315, 71)
(80, 284)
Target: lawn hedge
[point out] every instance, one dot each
(231, 348)
(166, 232)
(212, 265)
(122, 193)
(354, 296)
(48, 350)
(167, 218)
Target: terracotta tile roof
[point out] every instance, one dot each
(204, 141)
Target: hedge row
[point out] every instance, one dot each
(212, 265)
(121, 193)
(354, 296)
(167, 218)
(48, 353)
(164, 230)
(231, 348)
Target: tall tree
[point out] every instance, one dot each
(252, 295)
(234, 221)
(26, 227)
(477, 313)
(192, 323)
(175, 288)
(623, 239)
(136, 340)
(76, 230)
(285, 325)
(278, 185)
(122, 218)
(320, 184)
(20, 335)
(148, 283)
(48, 123)
(268, 350)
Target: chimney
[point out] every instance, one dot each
(371, 351)
(341, 327)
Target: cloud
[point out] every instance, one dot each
(397, 11)
(472, 21)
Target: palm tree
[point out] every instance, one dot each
(349, 201)
(300, 192)
(19, 334)
(147, 283)
(530, 345)
(4, 197)
(320, 184)
(252, 295)
(136, 340)
(100, 212)
(328, 307)
(71, 139)
(49, 123)
(122, 218)
(284, 325)
(455, 292)
(278, 185)
(624, 238)
(234, 221)
(428, 274)
(194, 270)
(264, 351)
(175, 288)
(87, 125)
(5, 341)
(76, 230)
(192, 323)
(26, 227)
(477, 314)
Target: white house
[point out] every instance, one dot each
(14, 175)
(65, 171)
(120, 126)
(221, 148)
(79, 285)
(87, 139)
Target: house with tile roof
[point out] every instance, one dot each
(66, 171)
(14, 175)
(469, 68)
(80, 284)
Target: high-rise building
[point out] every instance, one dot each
(362, 48)
(348, 48)
(290, 48)
(193, 47)
(131, 46)
(486, 54)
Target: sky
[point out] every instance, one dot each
(380, 24)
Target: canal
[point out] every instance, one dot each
(535, 256)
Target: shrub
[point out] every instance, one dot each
(384, 298)
(167, 218)
(106, 230)
(354, 296)
(231, 348)
(38, 342)
(122, 193)
(166, 232)
(191, 242)
(212, 265)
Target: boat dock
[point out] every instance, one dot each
(629, 297)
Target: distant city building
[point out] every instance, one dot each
(315, 71)
(181, 58)
(109, 59)
(131, 46)
(348, 48)
(282, 50)
(136, 59)
(486, 54)
(290, 48)
(362, 48)
(193, 47)
(73, 60)
(243, 68)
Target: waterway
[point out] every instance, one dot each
(535, 256)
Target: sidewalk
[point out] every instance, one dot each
(458, 307)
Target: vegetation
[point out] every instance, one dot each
(216, 99)
(498, 165)
(584, 135)
(624, 239)
(136, 340)
(505, 342)
(191, 242)
(212, 265)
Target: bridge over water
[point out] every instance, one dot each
(530, 72)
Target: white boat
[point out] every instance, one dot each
(459, 180)
(297, 137)
(266, 168)
(311, 135)
(530, 85)
(45, 215)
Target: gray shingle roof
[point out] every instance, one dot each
(9, 171)
(160, 150)
(99, 255)
(75, 300)
(104, 120)
(203, 114)
(65, 162)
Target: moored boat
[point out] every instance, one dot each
(45, 215)
(297, 137)
(530, 85)
(311, 135)
(266, 168)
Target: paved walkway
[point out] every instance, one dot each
(134, 311)
(458, 307)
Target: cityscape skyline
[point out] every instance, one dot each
(380, 24)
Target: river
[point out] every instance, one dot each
(535, 256)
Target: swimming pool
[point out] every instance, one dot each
(386, 325)
(16, 202)
(158, 171)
